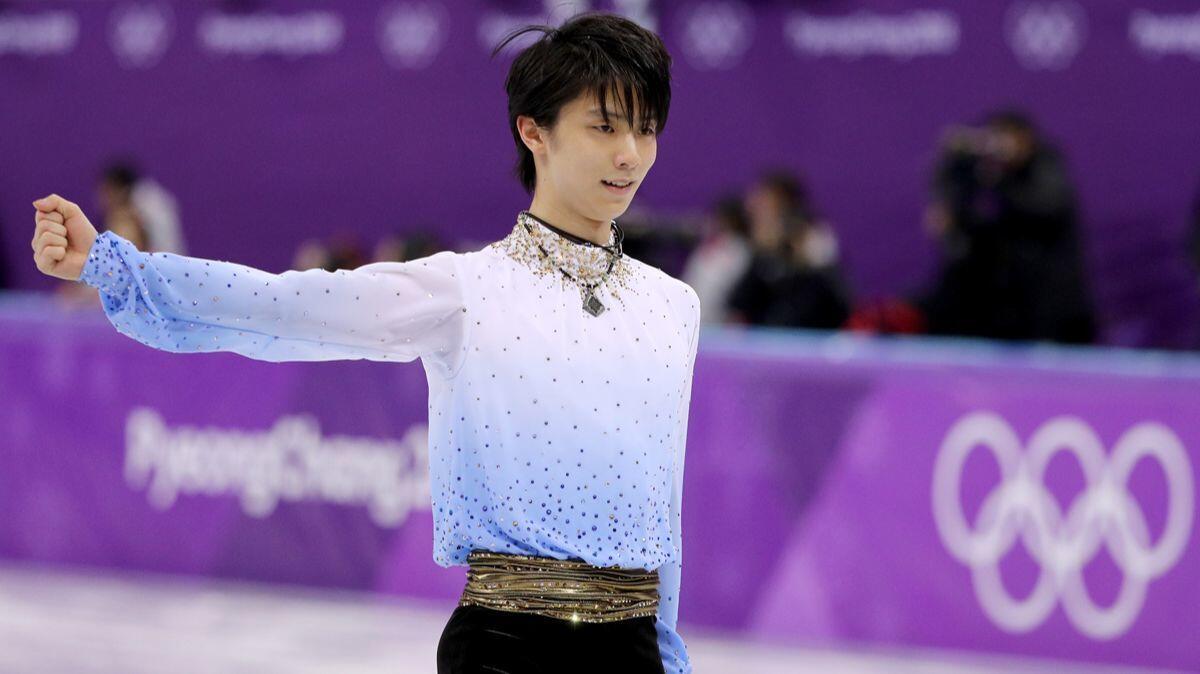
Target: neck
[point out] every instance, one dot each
(596, 231)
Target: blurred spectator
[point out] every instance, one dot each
(1004, 213)
(311, 254)
(4, 280)
(341, 251)
(1194, 234)
(391, 248)
(720, 259)
(792, 279)
(396, 247)
(125, 222)
(658, 240)
(345, 252)
(424, 244)
(121, 186)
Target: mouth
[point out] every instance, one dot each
(618, 186)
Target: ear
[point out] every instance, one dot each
(532, 135)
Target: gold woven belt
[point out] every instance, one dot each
(559, 588)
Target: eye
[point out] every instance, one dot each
(649, 131)
(602, 127)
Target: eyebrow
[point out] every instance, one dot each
(595, 112)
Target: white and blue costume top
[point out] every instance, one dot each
(552, 431)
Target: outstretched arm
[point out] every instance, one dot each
(394, 311)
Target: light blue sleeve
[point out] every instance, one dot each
(386, 311)
(670, 644)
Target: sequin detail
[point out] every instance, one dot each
(587, 264)
(559, 588)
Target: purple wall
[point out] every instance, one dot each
(364, 133)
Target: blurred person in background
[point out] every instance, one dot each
(423, 243)
(659, 240)
(311, 254)
(792, 279)
(345, 251)
(391, 247)
(341, 251)
(4, 282)
(122, 186)
(1193, 242)
(1193, 245)
(399, 247)
(125, 222)
(720, 259)
(1004, 213)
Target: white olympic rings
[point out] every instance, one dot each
(1022, 508)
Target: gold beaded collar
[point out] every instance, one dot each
(548, 253)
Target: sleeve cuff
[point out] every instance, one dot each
(104, 268)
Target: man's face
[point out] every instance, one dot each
(763, 203)
(1011, 146)
(112, 196)
(582, 152)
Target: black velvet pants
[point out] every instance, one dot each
(479, 640)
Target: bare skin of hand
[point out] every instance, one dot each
(62, 238)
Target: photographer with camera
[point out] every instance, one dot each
(1004, 213)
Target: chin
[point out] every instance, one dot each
(609, 211)
(613, 213)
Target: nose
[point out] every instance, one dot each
(627, 157)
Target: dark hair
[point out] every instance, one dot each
(731, 212)
(1012, 119)
(596, 52)
(121, 174)
(791, 190)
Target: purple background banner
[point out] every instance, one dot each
(910, 493)
(279, 122)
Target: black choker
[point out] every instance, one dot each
(618, 237)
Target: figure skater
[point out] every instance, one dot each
(559, 368)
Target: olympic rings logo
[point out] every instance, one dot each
(1046, 35)
(1063, 543)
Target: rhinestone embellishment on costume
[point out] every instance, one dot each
(547, 253)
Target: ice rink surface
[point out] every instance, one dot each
(77, 621)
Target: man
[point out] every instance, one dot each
(123, 190)
(720, 259)
(792, 278)
(1005, 214)
(559, 368)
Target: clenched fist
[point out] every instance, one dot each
(62, 238)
